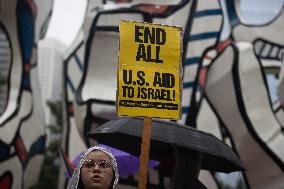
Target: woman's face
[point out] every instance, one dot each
(97, 171)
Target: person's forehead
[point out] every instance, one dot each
(98, 155)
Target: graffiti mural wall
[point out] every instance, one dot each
(232, 81)
(22, 135)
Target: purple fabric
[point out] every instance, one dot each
(127, 163)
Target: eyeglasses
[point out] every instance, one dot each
(90, 164)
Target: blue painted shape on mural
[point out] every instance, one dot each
(69, 82)
(192, 60)
(232, 13)
(272, 83)
(185, 109)
(26, 82)
(188, 84)
(4, 149)
(209, 12)
(26, 36)
(79, 64)
(37, 147)
(26, 29)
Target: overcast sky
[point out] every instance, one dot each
(67, 17)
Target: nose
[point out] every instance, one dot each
(96, 167)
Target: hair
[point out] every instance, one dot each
(80, 183)
(112, 182)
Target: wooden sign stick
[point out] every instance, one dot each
(144, 156)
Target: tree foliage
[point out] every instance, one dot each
(50, 170)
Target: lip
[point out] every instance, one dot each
(96, 178)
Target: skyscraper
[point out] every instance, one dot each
(50, 66)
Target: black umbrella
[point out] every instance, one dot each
(125, 134)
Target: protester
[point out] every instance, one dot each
(97, 169)
(182, 166)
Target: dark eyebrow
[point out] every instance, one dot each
(97, 160)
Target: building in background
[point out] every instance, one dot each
(50, 66)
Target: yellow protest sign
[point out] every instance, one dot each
(149, 71)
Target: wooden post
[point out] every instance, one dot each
(144, 156)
